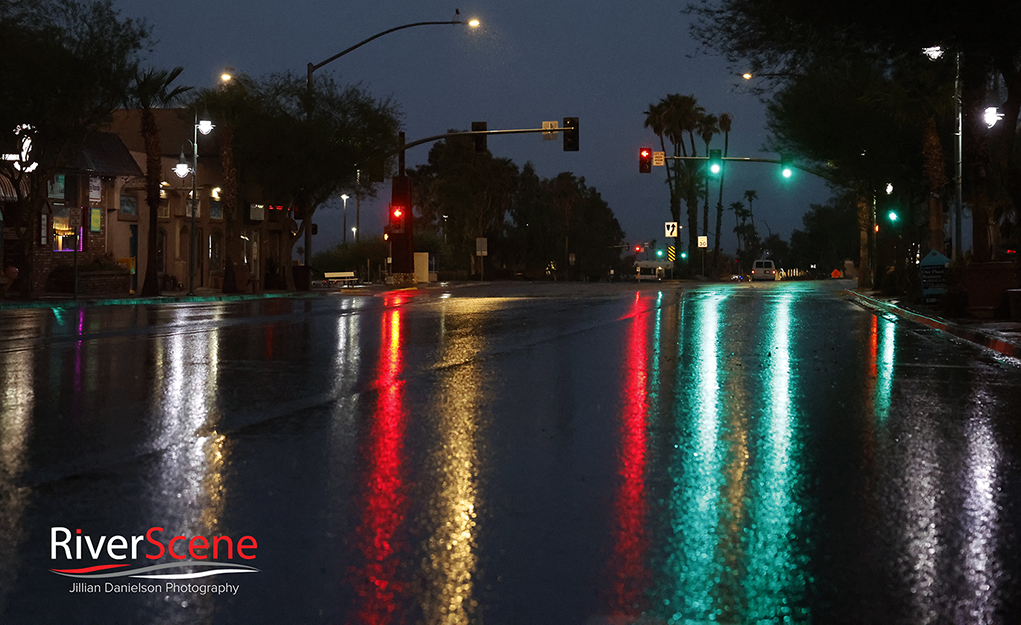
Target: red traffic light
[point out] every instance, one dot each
(645, 160)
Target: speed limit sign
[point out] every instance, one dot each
(703, 241)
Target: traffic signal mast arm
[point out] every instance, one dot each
(744, 159)
(470, 133)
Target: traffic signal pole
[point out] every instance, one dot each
(474, 133)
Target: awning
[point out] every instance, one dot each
(7, 192)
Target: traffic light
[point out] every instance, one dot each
(659, 253)
(645, 161)
(892, 216)
(298, 212)
(715, 162)
(480, 140)
(570, 134)
(398, 216)
(684, 255)
(786, 168)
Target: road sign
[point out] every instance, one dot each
(703, 241)
(552, 126)
(74, 218)
(671, 253)
(670, 228)
(658, 159)
(481, 246)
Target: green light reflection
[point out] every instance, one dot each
(776, 580)
(694, 562)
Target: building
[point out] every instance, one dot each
(261, 226)
(80, 201)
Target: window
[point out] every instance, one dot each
(129, 207)
(164, 211)
(215, 209)
(215, 251)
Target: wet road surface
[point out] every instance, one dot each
(509, 454)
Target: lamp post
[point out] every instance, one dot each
(183, 169)
(472, 23)
(344, 197)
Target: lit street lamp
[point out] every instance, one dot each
(182, 169)
(472, 23)
(344, 229)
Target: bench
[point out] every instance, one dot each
(343, 278)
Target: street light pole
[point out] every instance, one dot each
(344, 229)
(312, 67)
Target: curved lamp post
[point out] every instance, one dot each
(457, 21)
(182, 169)
(473, 23)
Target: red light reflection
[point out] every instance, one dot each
(384, 499)
(627, 571)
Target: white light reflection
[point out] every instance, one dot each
(982, 570)
(17, 403)
(186, 493)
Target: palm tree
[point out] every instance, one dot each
(151, 90)
(725, 122)
(739, 216)
(228, 104)
(751, 195)
(656, 118)
(682, 114)
(708, 127)
(673, 117)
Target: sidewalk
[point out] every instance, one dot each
(1000, 335)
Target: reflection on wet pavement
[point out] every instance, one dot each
(722, 453)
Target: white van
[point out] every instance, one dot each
(763, 270)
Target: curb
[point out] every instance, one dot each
(981, 338)
(170, 299)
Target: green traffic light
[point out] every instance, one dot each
(715, 162)
(659, 253)
(893, 216)
(684, 254)
(787, 172)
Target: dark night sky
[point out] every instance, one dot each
(529, 61)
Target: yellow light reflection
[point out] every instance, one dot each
(451, 560)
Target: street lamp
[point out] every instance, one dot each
(344, 230)
(473, 23)
(182, 169)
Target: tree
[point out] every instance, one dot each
(231, 105)
(708, 126)
(751, 195)
(726, 120)
(151, 90)
(304, 148)
(470, 192)
(677, 116)
(795, 38)
(65, 66)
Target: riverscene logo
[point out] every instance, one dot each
(192, 557)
